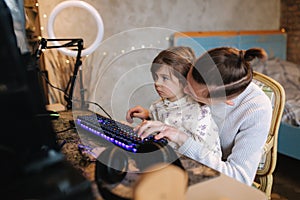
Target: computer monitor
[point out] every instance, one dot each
(26, 126)
(31, 165)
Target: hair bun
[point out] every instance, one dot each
(252, 53)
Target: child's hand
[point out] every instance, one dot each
(138, 112)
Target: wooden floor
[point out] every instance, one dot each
(286, 179)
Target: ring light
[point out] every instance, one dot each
(89, 8)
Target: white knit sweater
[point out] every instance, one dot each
(243, 130)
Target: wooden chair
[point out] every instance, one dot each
(264, 174)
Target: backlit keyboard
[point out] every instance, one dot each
(115, 132)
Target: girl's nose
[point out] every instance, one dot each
(157, 82)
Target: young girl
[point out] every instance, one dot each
(169, 70)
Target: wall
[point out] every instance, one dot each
(189, 15)
(135, 31)
(290, 21)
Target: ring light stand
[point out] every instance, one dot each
(77, 42)
(73, 42)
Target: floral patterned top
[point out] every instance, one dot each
(189, 117)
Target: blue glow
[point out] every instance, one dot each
(110, 139)
(110, 131)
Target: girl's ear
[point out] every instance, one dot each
(229, 102)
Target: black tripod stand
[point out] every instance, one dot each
(76, 42)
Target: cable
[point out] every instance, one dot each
(91, 102)
(67, 129)
(48, 82)
(66, 95)
(99, 107)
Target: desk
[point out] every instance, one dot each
(203, 182)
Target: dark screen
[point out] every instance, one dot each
(26, 130)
